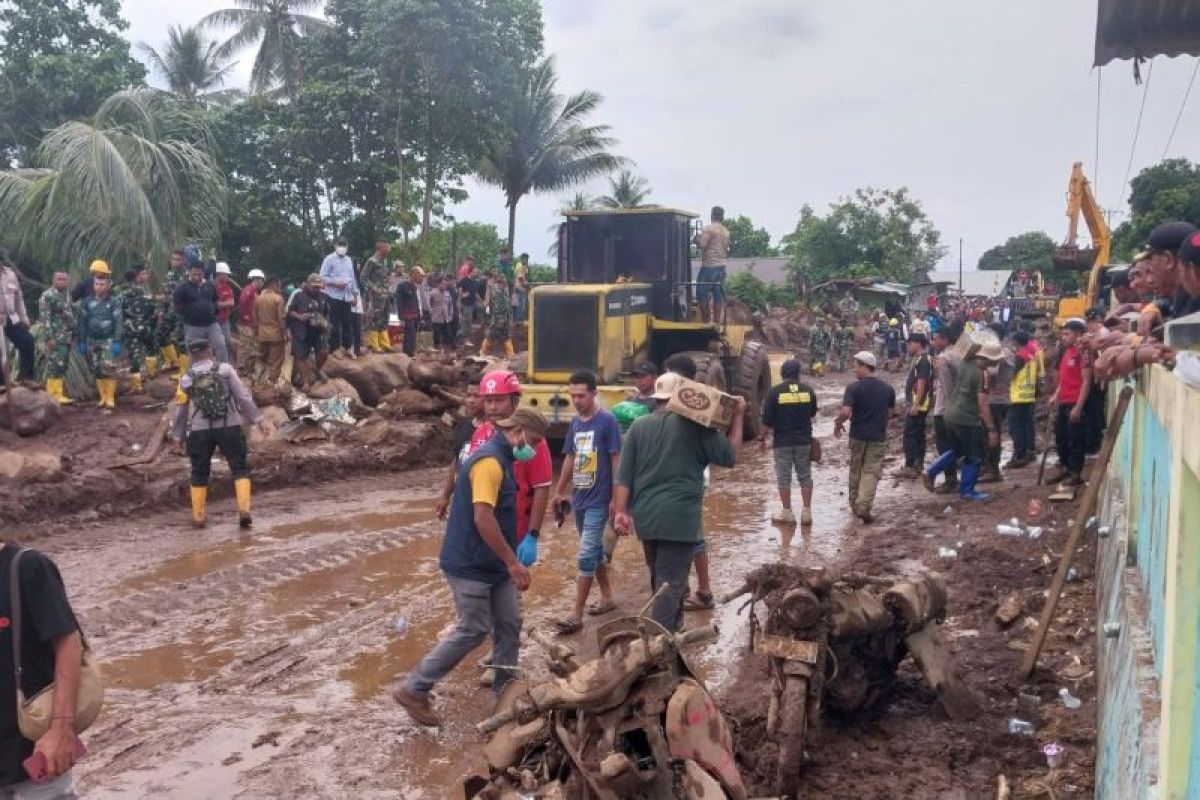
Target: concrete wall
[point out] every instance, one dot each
(1148, 581)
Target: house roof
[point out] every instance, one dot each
(771, 269)
(1146, 28)
(975, 282)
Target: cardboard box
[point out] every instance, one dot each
(969, 343)
(703, 404)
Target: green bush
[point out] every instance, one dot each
(757, 293)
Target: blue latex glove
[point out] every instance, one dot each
(527, 550)
(116, 349)
(81, 348)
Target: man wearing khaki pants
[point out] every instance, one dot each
(867, 403)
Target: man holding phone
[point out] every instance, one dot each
(52, 652)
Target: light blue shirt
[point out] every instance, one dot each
(339, 268)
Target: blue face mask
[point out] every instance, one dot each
(523, 452)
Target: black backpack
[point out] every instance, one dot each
(209, 393)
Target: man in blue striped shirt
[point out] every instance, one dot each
(341, 287)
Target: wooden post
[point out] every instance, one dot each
(1086, 507)
(1046, 443)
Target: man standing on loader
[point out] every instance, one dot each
(58, 332)
(713, 242)
(819, 341)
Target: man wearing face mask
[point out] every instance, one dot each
(481, 566)
(341, 287)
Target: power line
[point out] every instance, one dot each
(1182, 105)
(1137, 128)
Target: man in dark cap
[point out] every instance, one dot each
(1171, 299)
(644, 376)
(788, 412)
(1189, 274)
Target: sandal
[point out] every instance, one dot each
(602, 607)
(699, 601)
(567, 626)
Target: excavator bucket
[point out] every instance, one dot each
(1073, 257)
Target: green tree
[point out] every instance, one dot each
(130, 184)
(444, 248)
(546, 146)
(873, 233)
(747, 241)
(59, 60)
(757, 293)
(277, 27)
(193, 67)
(1167, 191)
(626, 190)
(1031, 251)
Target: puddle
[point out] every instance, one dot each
(177, 662)
(190, 565)
(407, 513)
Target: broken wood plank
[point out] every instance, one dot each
(1010, 608)
(152, 446)
(937, 663)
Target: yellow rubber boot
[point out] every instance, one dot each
(170, 355)
(385, 343)
(150, 366)
(508, 348)
(100, 392)
(485, 348)
(199, 498)
(241, 488)
(184, 362)
(135, 383)
(54, 387)
(110, 393)
(373, 342)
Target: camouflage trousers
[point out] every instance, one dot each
(58, 355)
(100, 358)
(842, 358)
(500, 331)
(378, 306)
(137, 348)
(820, 356)
(170, 330)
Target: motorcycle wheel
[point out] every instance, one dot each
(793, 726)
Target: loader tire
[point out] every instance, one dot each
(752, 380)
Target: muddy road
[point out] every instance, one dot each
(261, 665)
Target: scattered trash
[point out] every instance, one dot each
(1112, 630)
(947, 552)
(401, 626)
(1035, 508)
(1034, 533)
(1054, 754)
(948, 510)
(1010, 530)
(1069, 700)
(1072, 575)
(1020, 727)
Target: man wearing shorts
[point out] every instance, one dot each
(788, 412)
(308, 324)
(591, 451)
(713, 242)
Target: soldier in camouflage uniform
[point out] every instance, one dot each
(169, 331)
(818, 347)
(843, 344)
(499, 312)
(101, 328)
(141, 313)
(377, 295)
(58, 329)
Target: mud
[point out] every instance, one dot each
(261, 665)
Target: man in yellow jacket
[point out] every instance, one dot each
(1027, 362)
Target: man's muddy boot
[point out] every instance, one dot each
(199, 498)
(417, 707)
(241, 488)
(990, 474)
(906, 473)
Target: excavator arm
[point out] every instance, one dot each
(1081, 202)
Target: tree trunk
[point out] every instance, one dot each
(427, 204)
(401, 163)
(512, 223)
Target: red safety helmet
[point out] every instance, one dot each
(499, 383)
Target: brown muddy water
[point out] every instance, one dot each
(261, 665)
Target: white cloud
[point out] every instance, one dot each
(765, 105)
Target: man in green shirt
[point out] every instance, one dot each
(970, 429)
(660, 488)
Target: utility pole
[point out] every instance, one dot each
(960, 289)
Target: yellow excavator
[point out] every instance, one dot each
(1070, 256)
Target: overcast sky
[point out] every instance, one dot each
(764, 105)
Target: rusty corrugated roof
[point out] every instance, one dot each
(1146, 28)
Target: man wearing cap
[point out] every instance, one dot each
(591, 451)
(970, 428)
(248, 297)
(999, 381)
(918, 396)
(308, 323)
(270, 331)
(377, 297)
(83, 289)
(1068, 400)
(412, 306)
(945, 367)
(481, 566)
(196, 303)
(1172, 300)
(867, 404)
(660, 489)
(140, 314)
(16, 320)
(788, 412)
(101, 327)
(210, 418)
(57, 319)
(1189, 273)
(226, 303)
(340, 288)
(644, 375)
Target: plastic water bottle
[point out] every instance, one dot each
(1020, 726)
(1035, 532)
(1069, 700)
(947, 552)
(1009, 530)
(401, 626)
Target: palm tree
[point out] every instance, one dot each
(193, 67)
(547, 146)
(277, 26)
(133, 182)
(626, 191)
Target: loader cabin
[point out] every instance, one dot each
(624, 294)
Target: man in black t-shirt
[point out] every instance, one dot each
(918, 395)
(50, 641)
(195, 302)
(788, 411)
(868, 403)
(471, 292)
(308, 325)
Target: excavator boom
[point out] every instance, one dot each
(1081, 202)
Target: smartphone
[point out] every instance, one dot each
(35, 765)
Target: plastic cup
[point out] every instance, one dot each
(1054, 753)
